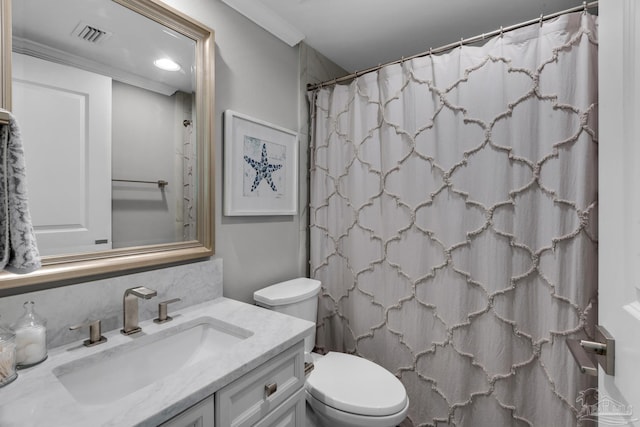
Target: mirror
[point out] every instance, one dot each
(120, 149)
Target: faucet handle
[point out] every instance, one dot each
(95, 332)
(141, 292)
(162, 311)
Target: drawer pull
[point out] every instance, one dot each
(269, 389)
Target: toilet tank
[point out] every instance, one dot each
(297, 297)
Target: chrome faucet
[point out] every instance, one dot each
(130, 308)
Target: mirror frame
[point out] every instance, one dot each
(56, 269)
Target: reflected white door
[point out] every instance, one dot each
(65, 119)
(619, 207)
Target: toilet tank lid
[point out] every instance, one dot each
(288, 292)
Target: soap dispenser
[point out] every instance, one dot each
(7, 356)
(31, 337)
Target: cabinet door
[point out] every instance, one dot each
(199, 415)
(289, 414)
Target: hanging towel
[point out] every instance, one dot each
(18, 249)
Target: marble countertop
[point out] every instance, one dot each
(37, 398)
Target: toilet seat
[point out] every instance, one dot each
(355, 385)
(334, 417)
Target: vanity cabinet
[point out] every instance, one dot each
(271, 394)
(224, 363)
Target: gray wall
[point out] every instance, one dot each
(258, 75)
(144, 148)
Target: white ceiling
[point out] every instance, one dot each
(358, 34)
(355, 34)
(45, 29)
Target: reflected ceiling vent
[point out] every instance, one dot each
(90, 33)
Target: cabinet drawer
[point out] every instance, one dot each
(289, 414)
(250, 398)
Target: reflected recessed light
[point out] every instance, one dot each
(166, 64)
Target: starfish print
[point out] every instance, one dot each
(263, 169)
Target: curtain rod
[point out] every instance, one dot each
(462, 42)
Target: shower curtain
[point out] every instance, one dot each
(453, 224)
(188, 157)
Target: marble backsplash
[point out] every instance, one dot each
(102, 299)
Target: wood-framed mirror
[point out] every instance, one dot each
(130, 199)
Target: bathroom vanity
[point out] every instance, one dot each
(272, 394)
(219, 363)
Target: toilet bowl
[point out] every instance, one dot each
(346, 390)
(342, 390)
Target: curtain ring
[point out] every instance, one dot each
(541, 17)
(461, 42)
(430, 51)
(584, 6)
(501, 31)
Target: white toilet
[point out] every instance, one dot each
(342, 390)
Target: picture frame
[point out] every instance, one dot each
(260, 167)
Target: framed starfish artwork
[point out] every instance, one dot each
(260, 167)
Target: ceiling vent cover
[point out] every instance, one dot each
(90, 33)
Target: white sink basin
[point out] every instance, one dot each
(116, 372)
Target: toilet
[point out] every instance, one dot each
(342, 390)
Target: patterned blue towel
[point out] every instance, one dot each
(18, 249)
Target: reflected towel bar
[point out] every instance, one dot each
(161, 182)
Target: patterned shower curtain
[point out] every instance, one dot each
(188, 155)
(453, 211)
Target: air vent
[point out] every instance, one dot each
(90, 33)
